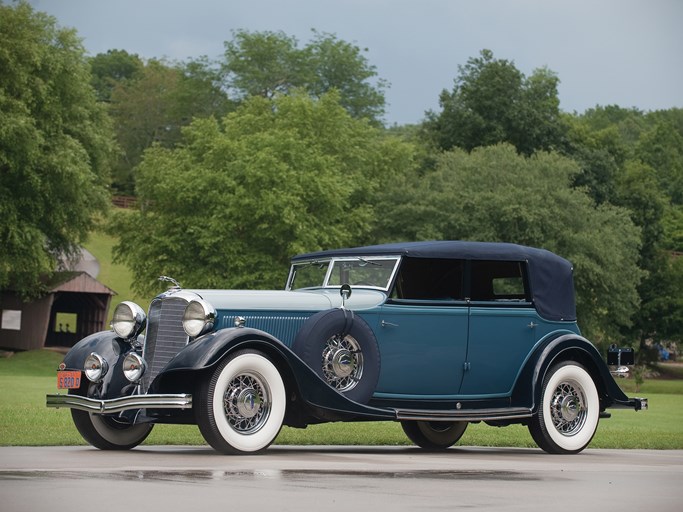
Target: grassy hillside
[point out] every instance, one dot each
(114, 275)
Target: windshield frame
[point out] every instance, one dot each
(332, 262)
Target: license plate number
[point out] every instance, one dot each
(68, 380)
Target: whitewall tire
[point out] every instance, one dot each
(241, 406)
(568, 414)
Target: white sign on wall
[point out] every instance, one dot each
(11, 319)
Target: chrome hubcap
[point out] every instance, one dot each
(246, 403)
(568, 408)
(342, 362)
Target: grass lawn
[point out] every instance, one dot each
(27, 377)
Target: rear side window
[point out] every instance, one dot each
(429, 279)
(498, 281)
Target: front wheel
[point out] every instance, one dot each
(569, 411)
(434, 435)
(241, 406)
(107, 433)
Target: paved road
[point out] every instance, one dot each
(196, 479)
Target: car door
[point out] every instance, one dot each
(500, 339)
(423, 348)
(502, 327)
(422, 331)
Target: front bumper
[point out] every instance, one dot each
(124, 403)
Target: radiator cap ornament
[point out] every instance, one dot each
(176, 284)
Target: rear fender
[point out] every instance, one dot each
(568, 347)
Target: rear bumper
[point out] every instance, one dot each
(124, 403)
(638, 404)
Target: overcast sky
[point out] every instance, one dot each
(623, 52)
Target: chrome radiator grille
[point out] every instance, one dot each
(165, 336)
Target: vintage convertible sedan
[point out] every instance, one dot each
(434, 335)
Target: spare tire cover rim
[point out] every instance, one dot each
(342, 362)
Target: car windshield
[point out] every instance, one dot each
(370, 272)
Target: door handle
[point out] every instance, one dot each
(532, 325)
(384, 323)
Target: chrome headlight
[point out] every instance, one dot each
(95, 367)
(134, 367)
(129, 320)
(199, 318)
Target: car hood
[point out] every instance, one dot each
(282, 300)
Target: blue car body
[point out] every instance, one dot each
(432, 334)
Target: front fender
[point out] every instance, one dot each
(111, 348)
(207, 351)
(568, 347)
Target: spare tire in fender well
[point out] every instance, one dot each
(342, 349)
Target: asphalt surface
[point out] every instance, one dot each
(323, 478)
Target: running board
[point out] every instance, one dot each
(506, 413)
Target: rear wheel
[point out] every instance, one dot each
(241, 406)
(434, 435)
(568, 414)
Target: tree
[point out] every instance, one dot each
(493, 102)
(494, 194)
(55, 146)
(111, 68)
(270, 63)
(237, 199)
(153, 106)
(662, 148)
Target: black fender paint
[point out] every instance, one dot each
(529, 386)
(207, 351)
(113, 349)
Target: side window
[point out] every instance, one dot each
(429, 279)
(498, 281)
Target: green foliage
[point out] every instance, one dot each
(115, 66)
(270, 63)
(55, 146)
(493, 102)
(233, 203)
(154, 105)
(635, 160)
(672, 227)
(662, 149)
(494, 194)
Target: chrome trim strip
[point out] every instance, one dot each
(464, 415)
(124, 403)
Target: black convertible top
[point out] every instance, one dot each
(550, 276)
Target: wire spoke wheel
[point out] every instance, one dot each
(568, 415)
(241, 407)
(247, 402)
(342, 362)
(568, 408)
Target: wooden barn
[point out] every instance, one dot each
(76, 305)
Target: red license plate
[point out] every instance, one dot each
(68, 380)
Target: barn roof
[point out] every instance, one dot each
(79, 282)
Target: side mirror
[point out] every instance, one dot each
(345, 292)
